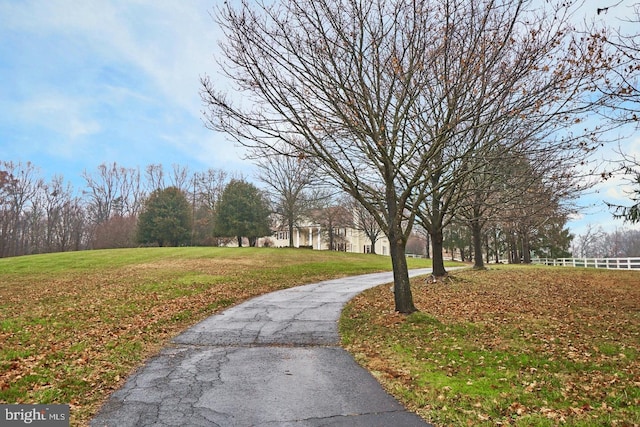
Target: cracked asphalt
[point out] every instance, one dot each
(274, 360)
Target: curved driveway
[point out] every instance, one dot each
(274, 360)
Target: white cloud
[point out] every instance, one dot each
(61, 114)
(133, 64)
(171, 42)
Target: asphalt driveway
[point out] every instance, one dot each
(274, 360)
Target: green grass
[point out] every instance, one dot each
(74, 325)
(520, 346)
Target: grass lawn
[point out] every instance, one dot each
(525, 346)
(74, 325)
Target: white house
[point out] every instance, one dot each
(314, 237)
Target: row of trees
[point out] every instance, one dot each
(594, 242)
(425, 113)
(125, 207)
(122, 207)
(168, 217)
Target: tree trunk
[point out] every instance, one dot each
(487, 248)
(239, 241)
(437, 239)
(526, 252)
(401, 285)
(513, 250)
(428, 246)
(290, 225)
(476, 232)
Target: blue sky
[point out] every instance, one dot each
(101, 81)
(88, 82)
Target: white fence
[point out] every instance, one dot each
(610, 263)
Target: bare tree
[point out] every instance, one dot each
(366, 223)
(58, 197)
(101, 192)
(179, 177)
(113, 193)
(155, 177)
(512, 188)
(113, 190)
(333, 214)
(20, 184)
(208, 187)
(589, 244)
(131, 192)
(288, 180)
(337, 83)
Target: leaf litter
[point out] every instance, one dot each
(74, 337)
(508, 346)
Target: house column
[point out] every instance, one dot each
(319, 241)
(297, 237)
(310, 240)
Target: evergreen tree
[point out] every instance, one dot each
(243, 212)
(166, 218)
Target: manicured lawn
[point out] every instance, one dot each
(74, 325)
(525, 346)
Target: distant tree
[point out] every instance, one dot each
(112, 190)
(207, 190)
(552, 239)
(242, 212)
(20, 185)
(179, 177)
(116, 232)
(66, 222)
(288, 180)
(365, 222)
(333, 213)
(457, 237)
(623, 243)
(589, 243)
(334, 221)
(594, 242)
(418, 243)
(165, 219)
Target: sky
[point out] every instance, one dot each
(100, 81)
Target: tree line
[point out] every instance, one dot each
(594, 242)
(38, 216)
(127, 207)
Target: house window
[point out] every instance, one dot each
(367, 249)
(283, 235)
